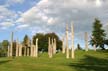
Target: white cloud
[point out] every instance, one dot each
(54, 14)
(6, 24)
(22, 26)
(11, 2)
(6, 13)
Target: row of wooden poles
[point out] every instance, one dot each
(33, 49)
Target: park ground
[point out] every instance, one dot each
(84, 61)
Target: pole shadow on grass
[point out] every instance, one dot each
(4, 61)
(90, 63)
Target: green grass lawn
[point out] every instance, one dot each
(84, 61)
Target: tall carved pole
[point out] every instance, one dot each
(31, 50)
(95, 42)
(11, 48)
(24, 50)
(67, 47)
(36, 47)
(17, 48)
(72, 48)
(49, 46)
(27, 51)
(63, 48)
(86, 41)
(8, 53)
(20, 49)
(54, 45)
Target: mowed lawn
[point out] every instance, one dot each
(84, 61)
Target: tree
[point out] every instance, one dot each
(79, 47)
(4, 48)
(26, 40)
(43, 40)
(106, 42)
(98, 35)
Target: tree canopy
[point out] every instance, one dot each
(43, 40)
(98, 34)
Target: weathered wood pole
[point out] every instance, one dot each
(94, 47)
(63, 48)
(28, 51)
(20, 49)
(72, 47)
(17, 48)
(31, 48)
(67, 47)
(49, 46)
(11, 45)
(24, 50)
(86, 41)
(36, 47)
(55, 46)
(8, 53)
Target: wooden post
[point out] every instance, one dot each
(55, 46)
(17, 48)
(72, 47)
(67, 48)
(24, 50)
(86, 41)
(49, 46)
(8, 53)
(63, 48)
(36, 47)
(11, 48)
(27, 51)
(20, 49)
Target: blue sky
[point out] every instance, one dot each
(34, 16)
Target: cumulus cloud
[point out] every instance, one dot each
(54, 14)
(22, 26)
(12, 2)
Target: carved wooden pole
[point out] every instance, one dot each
(20, 49)
(11, 48)
(67, 48)
(94, 47)
(24, 50)
(17, 47)
(36, 47)
(63, 48)
(72, 48)
(8, 53)
(86, 41)
(55, 46)
(27, 51)
(31, 48)
(95, 42)
(49, 46)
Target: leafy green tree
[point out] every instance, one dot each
(5, 44)
(4, 48)
(26, 40)
(98, 35)
(79, 47)
(106, 42)
(43, 40)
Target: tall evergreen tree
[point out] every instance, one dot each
(26, 40)
(98, 35)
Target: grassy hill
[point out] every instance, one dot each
(84, 61)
